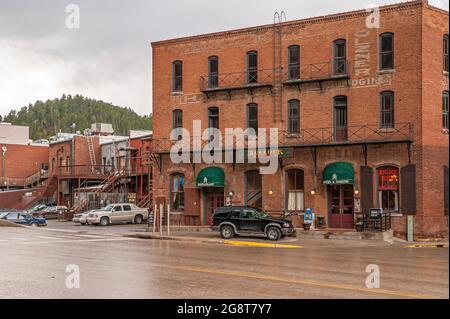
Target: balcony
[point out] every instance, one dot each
(316, 137)
(227, 82)
(318, 72)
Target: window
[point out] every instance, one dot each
(126, 208)
(177, 76)
(445, 119)
(249, 214)
(388, 188)
(446, 57)
(68, 164)
(118, 208)
(12, 216)
(386, 48)
(252, 116)
(253, 189)
(295, 190)
(294, 62)
(213, 121)
(177, 192)
(252, 67)
(387, 109)
(177, 124)
(340, 57)
(213, 72)
(294, 117)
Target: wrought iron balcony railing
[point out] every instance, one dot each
(216, 82)
(302, 73)
(327, 136)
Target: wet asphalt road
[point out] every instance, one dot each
(33, 264)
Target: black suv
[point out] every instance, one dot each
(240, 220)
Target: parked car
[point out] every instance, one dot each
(23, 218)
(242, 220)
(37, 209)
(81, 218)
(117, 213)
(52, 212)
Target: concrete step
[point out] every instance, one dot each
(345, 235)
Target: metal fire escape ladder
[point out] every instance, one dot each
(92, 159)
(278, 19)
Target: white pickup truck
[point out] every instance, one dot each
(117, 213)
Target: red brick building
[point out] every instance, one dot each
(362, 114)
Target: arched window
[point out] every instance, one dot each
(386, 49)
(253, 189)
(445, 118)
(213, 72)
(252, 116)
(177, 124)
(294, 117)
(445, 53)
(295, 190)
(387, 109)
(252, 67)
(340, 57)
(177, 76)
(388, 188)
(294, 62)
(177, 192)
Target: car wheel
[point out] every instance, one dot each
(104, 221)
(34, 225)
(227, 232)
(138, 219)
(273, 233)
(83, 224)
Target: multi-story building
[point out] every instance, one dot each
(361, 110)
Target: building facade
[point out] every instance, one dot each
(361, 112)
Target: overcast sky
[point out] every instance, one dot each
(109, 56)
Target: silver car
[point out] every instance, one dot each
(81, 218)
(117, 213)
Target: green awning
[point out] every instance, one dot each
(211, 177)
(339, 173)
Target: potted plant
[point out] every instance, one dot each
(306, 226)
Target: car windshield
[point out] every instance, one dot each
(107, 208)
(3, 214)
(262, 213)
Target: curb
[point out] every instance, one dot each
(176, 238)
(435, 245)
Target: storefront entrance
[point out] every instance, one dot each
(341, 206)
(211, 180)
(214, 200)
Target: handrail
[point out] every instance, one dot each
(235, 80)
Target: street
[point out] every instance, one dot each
(33, 265)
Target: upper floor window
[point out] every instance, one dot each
(339, 57)
(387, 109)
(294, 117)
(177, 124)
(294, 62)
(252, 116)
(445, 51)
(386, 48)
(177, 76)
(252, 67)
(445, 118)
(213, 72)
(213, 121)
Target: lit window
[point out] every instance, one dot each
(177, 192)
(388, 188)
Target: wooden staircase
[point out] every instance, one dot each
(46, 191)
(106, 186)
(90, 143)
(146, 201)
(277, 67)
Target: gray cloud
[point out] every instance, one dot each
(109, 57)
